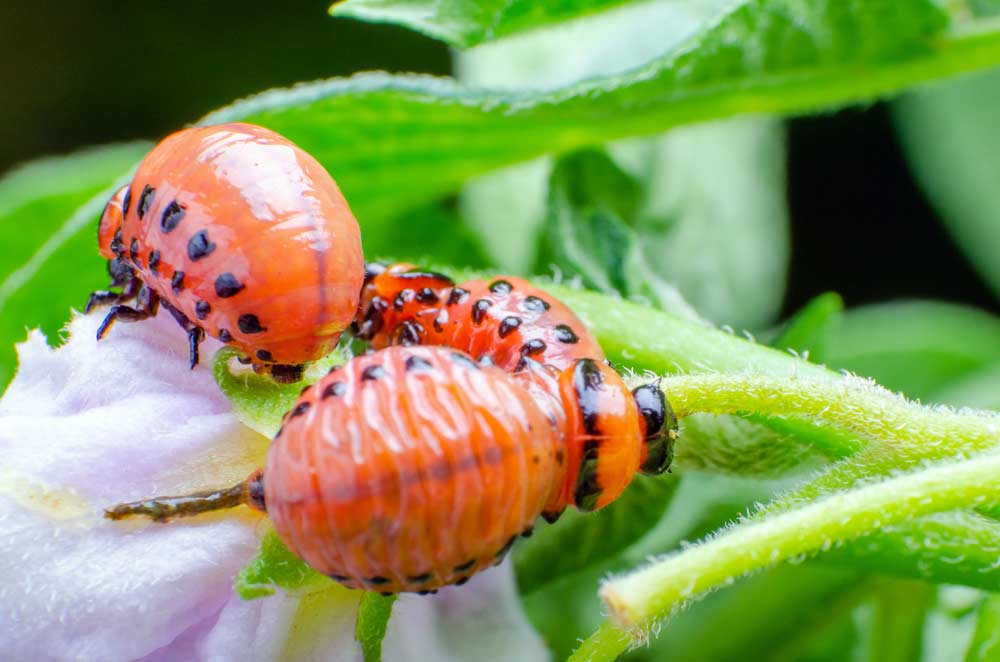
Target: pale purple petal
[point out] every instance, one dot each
(92, 424)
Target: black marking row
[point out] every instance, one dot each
(469, 566)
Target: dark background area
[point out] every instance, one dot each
(75, 75)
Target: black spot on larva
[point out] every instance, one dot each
(377, 580)
(502, 552)
(386, 593)
(417, 363)
(199, 246)
(249, 323)
(432, 592)
(373, 320)
(172, 216)
(559, 457)
(119, 271)
(426, 295)
(226, 285)
(420, 579)
(588, 488)
(533, 304)
(133, 250)
(225, 336)
(479, 309)
(458, 295)
(440, 320)
(300, 409)
(532, 347)
(145, 199)
(402, 299)
(465, 566)
(527, 533)
(202, 309)
(564, 334)
(264, 355)
(464, 360)
(508, 326)
(177, 282)
(408, 333)
(551, 518)
(461, 582)
(117, 247)
(154, 260)
(501, 287)
(127, 201)
(287, 373)
(373, 269)
(587, 382)
(335, 389)
(338, 578)
(373, 372)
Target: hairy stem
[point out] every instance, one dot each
(638, 600)
(854, 404)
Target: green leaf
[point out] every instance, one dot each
(49, 263)
(769, 616)
(979, 389)
(434, 232)
(258, 401)
(807, 331)
(395, 142)
(916, 346)
(579, 541)
(373, 618)
(898, 628)
(985, 645)
(590, 202)
(952, 142)
(713, 219)
(276, 567)
(641, 338)
(465, 23)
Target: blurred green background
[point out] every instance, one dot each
(707, 201)
(87, 74)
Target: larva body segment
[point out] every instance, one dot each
(411, 468)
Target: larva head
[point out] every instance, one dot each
(659, 429)
(111, 223)
(603, 436)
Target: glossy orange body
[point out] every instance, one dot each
(505, 319)
(247, 235)
(411, 468)
(513, 323)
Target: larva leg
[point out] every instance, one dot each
(146, 306)
(101, 298)
(121, 276)
(195, 333)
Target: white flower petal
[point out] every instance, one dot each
(92, 424)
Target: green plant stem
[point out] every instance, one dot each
(647, 339)
(638, 600)
(851, 403)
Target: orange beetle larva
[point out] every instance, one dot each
(239, 234)
(412, 468)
